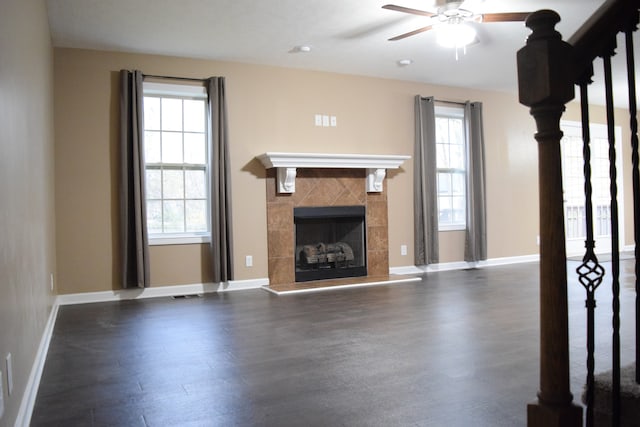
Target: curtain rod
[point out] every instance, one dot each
(449, 102)
(443, 101)
(192, 79)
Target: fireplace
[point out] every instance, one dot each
(313, 180)
(330, 242)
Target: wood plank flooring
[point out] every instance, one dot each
(458, 348)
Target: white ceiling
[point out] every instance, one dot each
(346, 36)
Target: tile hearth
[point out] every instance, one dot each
(334, 284)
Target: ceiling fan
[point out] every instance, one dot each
(451, 12)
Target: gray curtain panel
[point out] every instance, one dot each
(133, 217)
(476, 235)
(425, 205)
(219, 182)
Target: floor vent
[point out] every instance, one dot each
(186, 296)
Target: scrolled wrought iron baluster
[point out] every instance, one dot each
(615, 239)
(635, 176)
(590, 272)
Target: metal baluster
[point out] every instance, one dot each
(615, 255)
(635, 178)
(590, 272)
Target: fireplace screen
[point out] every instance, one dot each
(330, 242)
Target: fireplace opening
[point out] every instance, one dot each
(330, 242)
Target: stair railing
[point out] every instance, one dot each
(548, 69)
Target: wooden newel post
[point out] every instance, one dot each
(545, 82)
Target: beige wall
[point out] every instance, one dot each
(27, 256)
(270, 109)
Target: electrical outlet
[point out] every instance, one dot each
(318, 119)
(403, 250)
(9, 375)
(248, 261)
(334, 121)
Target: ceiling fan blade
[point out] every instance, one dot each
(407, 10)
(411, 33)
(505, 17)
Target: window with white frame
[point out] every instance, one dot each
(451, 164)
(176, 166)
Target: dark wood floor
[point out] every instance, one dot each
(459, 348)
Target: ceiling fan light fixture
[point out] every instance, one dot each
(455, 35)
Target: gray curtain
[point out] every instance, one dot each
(219, 182)
(476, 235)
(133, 217)
(425, 205)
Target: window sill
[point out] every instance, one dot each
(182, 239)
(452, 228)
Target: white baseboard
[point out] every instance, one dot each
(33, 383)
(160, 291)
(407, 269)
(462, 265)
(511, 260)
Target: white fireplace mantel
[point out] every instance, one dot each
(288, 163)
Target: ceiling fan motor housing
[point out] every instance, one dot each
(451, 12)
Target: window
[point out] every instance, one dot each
(176, 169)
(573, 185)
(451, 164)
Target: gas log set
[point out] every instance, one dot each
(332, 255)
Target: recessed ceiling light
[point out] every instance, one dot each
(302, 48)
(405, 62)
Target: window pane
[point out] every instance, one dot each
(152, 147)
(171, 114)
(196, 211)
(442, 130)
(173, 184)
(151, 108)
(457, 156)
(194, 149)
(459, 209)
(171, 147)
(442, 155)
(193, 115)
(457, 187)
(173, 216)
(154, 216)
(444, 183)
(154, 184)
(195, 184)
(456, 135)
(444, 210)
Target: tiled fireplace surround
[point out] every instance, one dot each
(323, 187)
